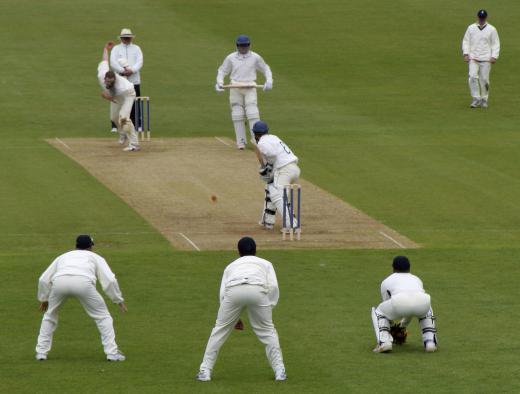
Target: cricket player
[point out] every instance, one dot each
(403, 298)
(242, 65)
(121, 94)
(285, 171)
(126, 59)
(481, 48)
(74, 274)
(248, 283)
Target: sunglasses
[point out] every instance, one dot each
(243, 45)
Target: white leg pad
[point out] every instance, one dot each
(381, 326)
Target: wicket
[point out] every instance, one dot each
(140, 114)
(288, 225)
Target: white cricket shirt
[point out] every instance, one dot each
(243, 68)
(276, 151)
(133, 54)
(80, 263)
(400, 283)
(481, 43)
(121, 87)
(251, 270)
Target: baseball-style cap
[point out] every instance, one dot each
(84, 242)
(126, 33)
(482, 13)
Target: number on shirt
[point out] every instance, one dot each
(285, 148)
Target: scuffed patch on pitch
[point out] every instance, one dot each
(170, 183)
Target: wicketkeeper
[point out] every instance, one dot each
(481, 48)
(280, 168)
(248, 283)
(121, 94)
(403, 299)
(74, 274)
(242, 65)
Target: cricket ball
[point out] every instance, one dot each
(213, 198)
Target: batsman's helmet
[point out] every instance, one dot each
(482, 14)
(260, 128)
(84, 242)
(401, 264)
(243, 40)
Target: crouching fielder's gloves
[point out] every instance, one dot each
(398, 333)
(268, 85)
(219, 88)
(266, 173)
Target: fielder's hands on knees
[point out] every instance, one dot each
(239, 325)
(219, 88)
(122, 307)
(107, 96)
(44, 306)
(268, 85)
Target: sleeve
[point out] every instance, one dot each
(495, 45)
(139, 61)
(224, 70)
(44, 283)
(465, 42)
(385, 293)
(102, 70)
(114, 55)
(264, 68)
(108, 281)
(223, 286)
(272, 284)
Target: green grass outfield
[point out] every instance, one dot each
(371, 95)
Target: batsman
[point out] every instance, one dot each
(242, 65)
(279, 168)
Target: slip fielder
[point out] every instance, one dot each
(74, 274)
(481, 48)
(242, 65)
(403, 299)
(248, 283)
(121, 94)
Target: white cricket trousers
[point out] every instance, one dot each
(282, 176)
(244, 105)
(120, 114)
(479, 79)
(236, 299)
(84, 290)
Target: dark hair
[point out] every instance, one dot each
(401, 264)
(247, 246)
(84, 242)
(110, 74)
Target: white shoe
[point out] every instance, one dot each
(280, 375)
(241, 146)
(483, 103)
(41, 357)
(122, 138)
(114, 130)
(131, 148)
(383, 347)
(475, 103)
(267, 226)
(140, 129)
(430, 347)
(204, 375)
(116, 356)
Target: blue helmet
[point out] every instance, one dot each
(260, 128)
(243, 40)
(482, 14)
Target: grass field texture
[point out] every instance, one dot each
(373, 98)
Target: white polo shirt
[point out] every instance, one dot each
(121, 87)
(276, 151)
(400, 282)
(243, 68)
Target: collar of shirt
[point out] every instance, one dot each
(481, 27)
(243, 56)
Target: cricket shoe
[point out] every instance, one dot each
(204, 375)
(114, 130)
(131, 148)
(266, 226)
(483, 103)
(41, 357)
(241, 146)
(383, 347)
(475, 103)
(430, 346)
(118, 356)
(280, 375)
(122, 139)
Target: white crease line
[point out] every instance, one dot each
(224, 142)
(63, 143)
(393, 240)
(190, 242)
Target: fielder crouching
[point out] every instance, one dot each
(403, 298)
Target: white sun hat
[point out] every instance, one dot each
(126, 33)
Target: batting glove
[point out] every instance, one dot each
(268, 85)
(219, 88)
